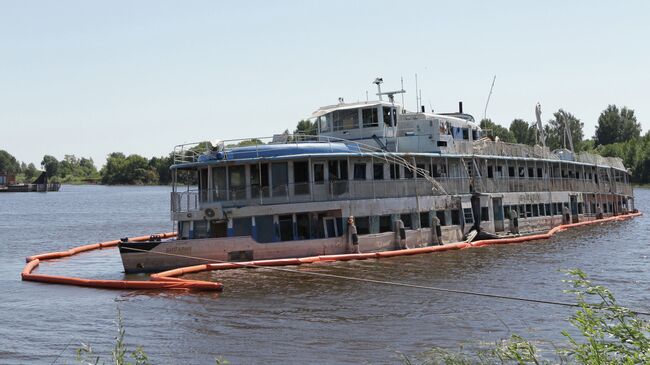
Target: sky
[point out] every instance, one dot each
(93, 77)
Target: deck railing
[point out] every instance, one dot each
(253, 195)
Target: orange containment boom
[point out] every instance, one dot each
(173, 283)
(169, 279)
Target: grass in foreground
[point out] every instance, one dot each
(609, 334)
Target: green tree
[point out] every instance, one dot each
(51, 165)
(554, 130)
(497, 130)
(162, 167)
(30, 172)
(616, 125)
(305, 126)
(8, 163)
(130, 170)
(523, 132)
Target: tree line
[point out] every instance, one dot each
(618, 134)
(119, 169)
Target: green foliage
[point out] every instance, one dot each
(497, 130)
(246, 143)
(8, 163)
(131, 170)
(616, 125)
(51, 165)
(73, 169)
(86, 356)
(555, 131)
(306, 127)
(523, 132)
(610, 334)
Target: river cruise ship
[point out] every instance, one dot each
(409, 179)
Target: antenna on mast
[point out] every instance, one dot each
(417, 101)
(488, 98)
(402, 87)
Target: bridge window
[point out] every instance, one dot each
(324, 122)
(389, 116)
(370, 117)
(345, 119)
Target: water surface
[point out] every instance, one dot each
(267, 316)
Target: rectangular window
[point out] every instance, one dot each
(279, 178)
(378, 171)
(548, 209)
(425, 221)
(220, 189)
(440, 214)
(237, 181)
(385, 223)
(421, 170)
(406, 218)
(345, 119)
(264, 227)
(200, 229)
(535, 210)
(363, 225)
(499, 171)
(531, 172)
(433, 168)
(442, 143)
(490, 172)
(286, 227)
(338, 170)
(485, 214)
(455, 217)
(394, 171)
(529, 210)
(303, 226)
(389, 116)
(370, 117)
(301, 177)
(359, 171)
(260, 180)
(539, 173)
(465, 133)
(319, 173)
(511, 171)
(408, 172)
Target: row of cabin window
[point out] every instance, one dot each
(538, 210)
(539, 173)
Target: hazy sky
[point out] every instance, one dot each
(89, 77)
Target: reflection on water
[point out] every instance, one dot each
(277, 316)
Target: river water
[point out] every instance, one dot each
(279, 317)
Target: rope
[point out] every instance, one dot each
(382, 282)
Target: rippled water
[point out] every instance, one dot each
(269, 316)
